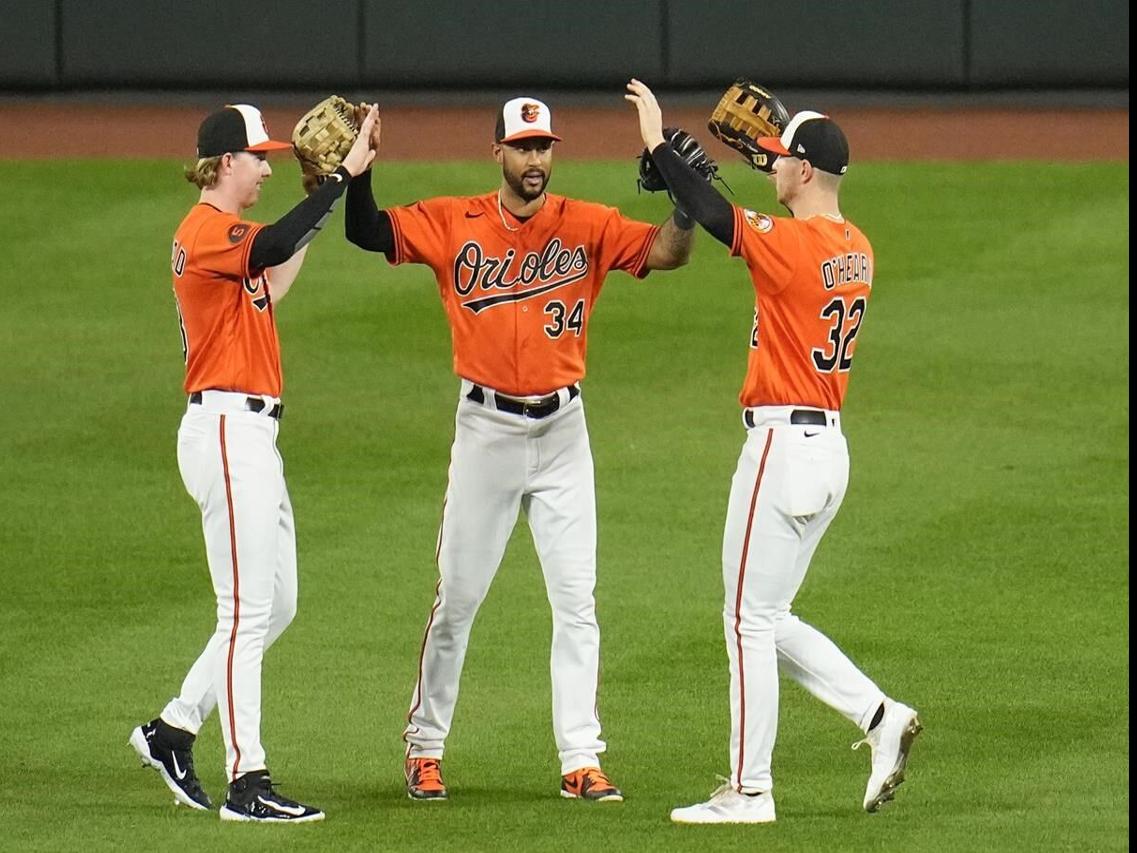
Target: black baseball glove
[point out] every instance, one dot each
(689, 151)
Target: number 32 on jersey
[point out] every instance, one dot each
(843, 317)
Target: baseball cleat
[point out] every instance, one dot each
(169, 751)
(424, 779)
(726, 805)
(252, 799)
(590, 783)
(890, 742)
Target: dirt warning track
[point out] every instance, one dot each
(50, 129)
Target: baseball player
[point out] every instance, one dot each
(519, 271)
(812, 275)
(228, 275)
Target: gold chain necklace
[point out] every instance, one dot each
(501, 213)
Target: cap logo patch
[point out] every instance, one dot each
(237, 233)
(530, 112)
(760, 222)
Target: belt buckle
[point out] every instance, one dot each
(542, 408)
(537, 409)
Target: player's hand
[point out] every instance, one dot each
(360, 114)
(651, 119)
(362, 154)
(376, 132)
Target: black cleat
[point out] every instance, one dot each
(169, 751)
(252, 798)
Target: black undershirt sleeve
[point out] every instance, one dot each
(364, 223)
(276, 243)
(694, 195)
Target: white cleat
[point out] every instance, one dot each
(890, 742)
(726, 805)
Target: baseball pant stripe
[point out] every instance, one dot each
(236, 599)
(433, 610)
(422, 651)
(738, 608)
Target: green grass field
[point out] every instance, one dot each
(978, 570)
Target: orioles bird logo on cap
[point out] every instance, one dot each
(529, 112)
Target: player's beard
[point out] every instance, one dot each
(517, 183)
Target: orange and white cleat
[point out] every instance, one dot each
(424, 779)
(590, 783)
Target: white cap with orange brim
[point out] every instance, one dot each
(524, 118)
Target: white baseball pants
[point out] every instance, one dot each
(788, 486)
(501, 462)
(230, 465)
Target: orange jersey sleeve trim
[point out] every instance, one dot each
(400, 253)
(247, 251)
(640, 268)
(736, 244)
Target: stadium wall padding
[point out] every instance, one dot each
(949, 45)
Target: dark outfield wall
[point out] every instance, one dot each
(886, 44)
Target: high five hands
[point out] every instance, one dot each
(651, 119)
(366, 145)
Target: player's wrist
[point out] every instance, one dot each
(682, 221)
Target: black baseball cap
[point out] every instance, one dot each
(235, 127)
(814, 137)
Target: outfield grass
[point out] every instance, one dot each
(979, 568)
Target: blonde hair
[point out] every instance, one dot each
(204, 174)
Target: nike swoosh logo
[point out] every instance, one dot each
(470, 215)
(295, 811)
(179, 774)
(811, 434)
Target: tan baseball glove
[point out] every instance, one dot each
(745, 112)
(322, 138)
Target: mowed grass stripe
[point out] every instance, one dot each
(978, 569)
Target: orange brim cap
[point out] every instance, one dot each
(532, 134)
(774, 145)
(270, 145)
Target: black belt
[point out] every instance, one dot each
(541, 408)
(252, 404)
(803, 417)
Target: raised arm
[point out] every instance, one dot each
(696, 198)
(672, 246)
(364, 223)
(275, 244)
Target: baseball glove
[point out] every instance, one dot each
(322, 138)
(745, 112)
(689, 151)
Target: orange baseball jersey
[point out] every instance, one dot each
(228, 331)
(518, 301)
(812, 279)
